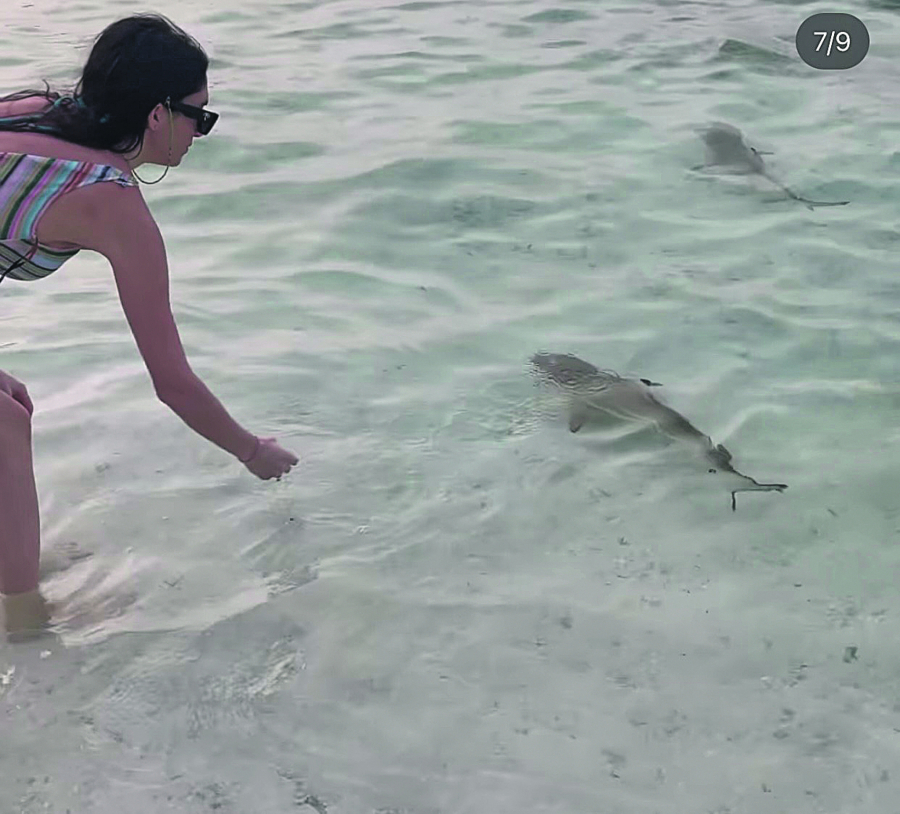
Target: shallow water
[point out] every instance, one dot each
(453, 604)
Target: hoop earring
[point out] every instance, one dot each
(171, 137)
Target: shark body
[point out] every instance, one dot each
(591, 390)
(727, 151)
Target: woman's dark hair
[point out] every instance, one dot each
(135, 64)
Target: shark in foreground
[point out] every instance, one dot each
(591, 391)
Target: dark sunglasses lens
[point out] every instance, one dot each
(205, 122)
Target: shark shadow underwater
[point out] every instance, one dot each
(727, 152)
(592, 391)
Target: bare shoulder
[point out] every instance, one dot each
(23, 107)
(119, 218)
(105, 217)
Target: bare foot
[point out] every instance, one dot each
(25, 616)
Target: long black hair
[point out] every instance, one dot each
(135, 64)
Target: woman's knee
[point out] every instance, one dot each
(15, 421)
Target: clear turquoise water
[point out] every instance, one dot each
(454, 604)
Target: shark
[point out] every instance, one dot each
(592, 391)
(727, 151)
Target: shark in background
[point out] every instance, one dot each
(727, 152)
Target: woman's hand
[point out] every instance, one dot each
(13, 387)
(270, 460)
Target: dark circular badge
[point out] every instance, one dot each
(832, 42)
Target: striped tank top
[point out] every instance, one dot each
(28, 185)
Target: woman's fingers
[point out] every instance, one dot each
(15, 388)
(20, 394)
(273, 460)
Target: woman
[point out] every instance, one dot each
(68, 181)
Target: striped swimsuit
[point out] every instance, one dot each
(28, 185)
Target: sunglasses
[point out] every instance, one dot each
(205, 119)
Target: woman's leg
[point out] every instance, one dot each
(20, 541)
(19, 520)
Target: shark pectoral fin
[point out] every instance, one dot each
(577, 417)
